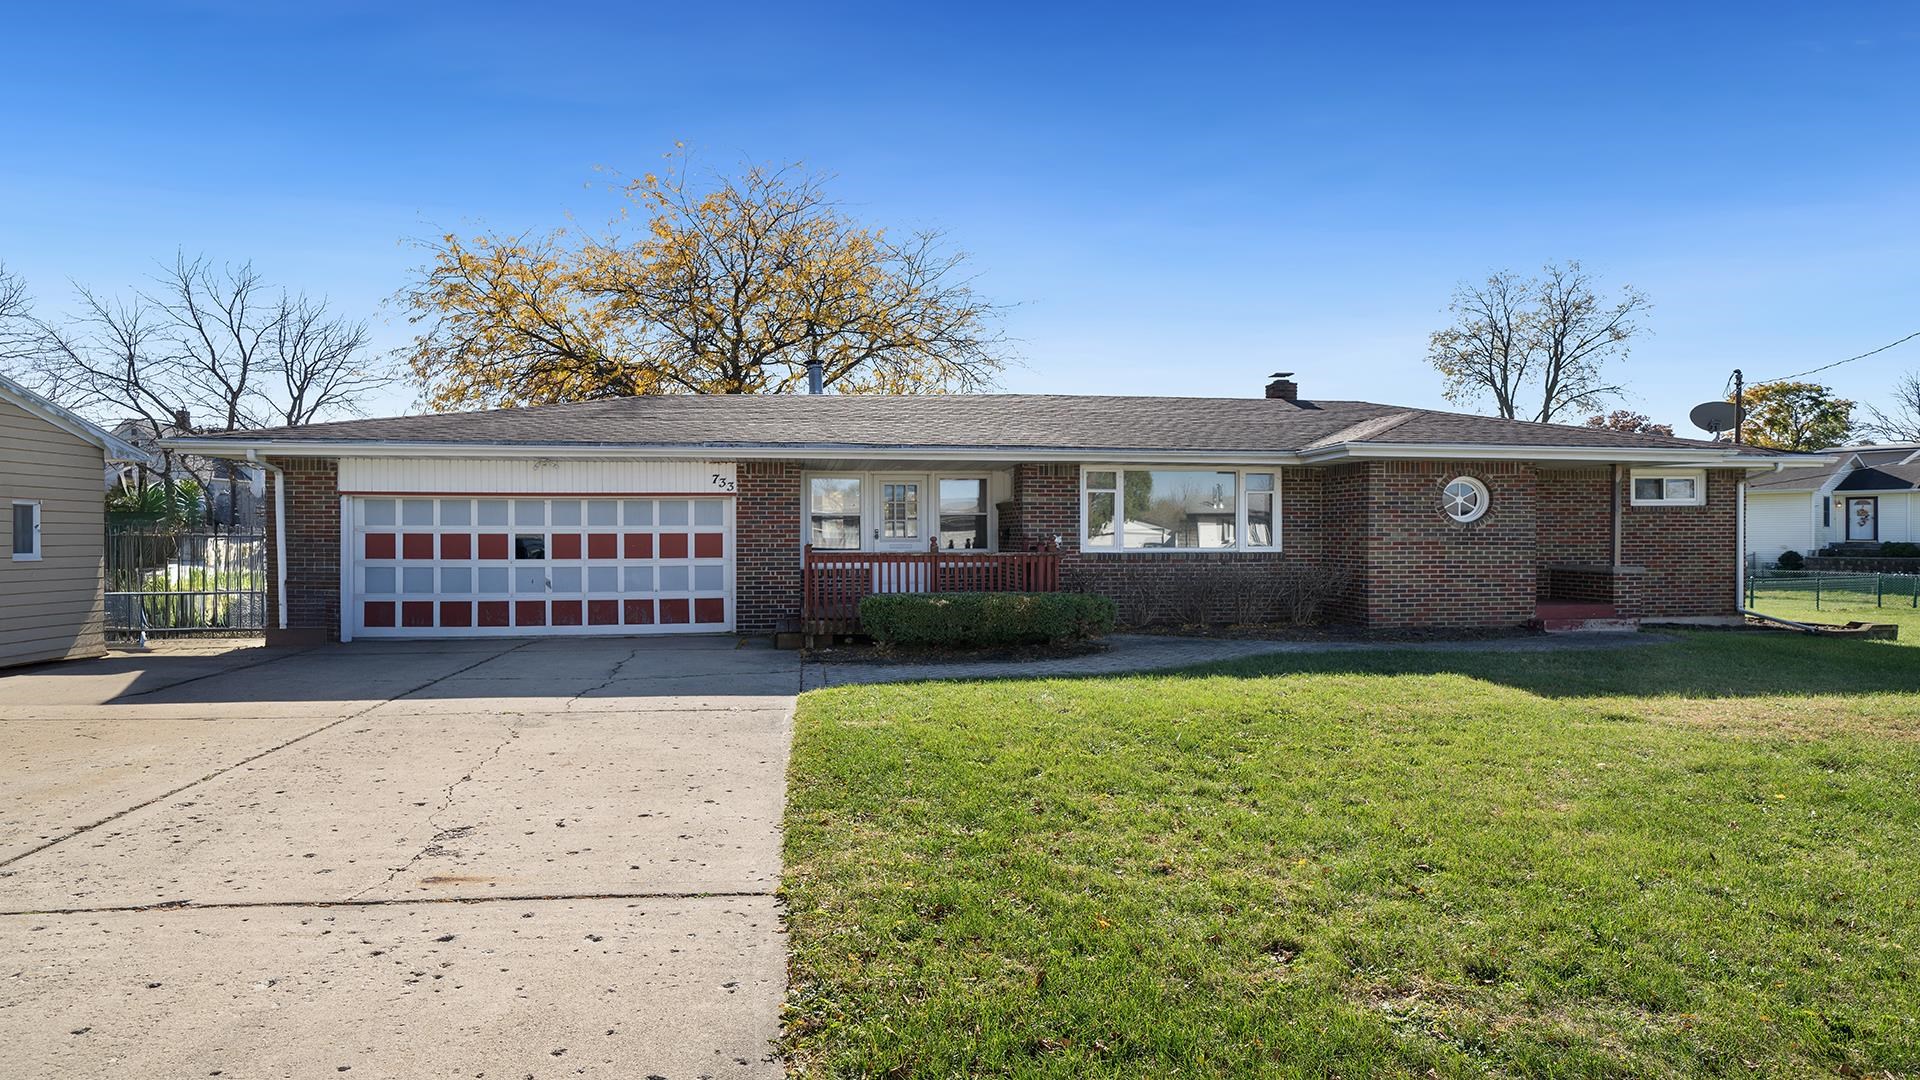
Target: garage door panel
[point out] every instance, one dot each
(509, 565)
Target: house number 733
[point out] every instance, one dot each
(723, 483)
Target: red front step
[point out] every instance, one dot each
(1567, 616)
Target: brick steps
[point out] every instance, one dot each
(1567, 617)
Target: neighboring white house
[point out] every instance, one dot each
(54, 533)
(1871, 496)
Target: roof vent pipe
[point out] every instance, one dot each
(816, 375)
(1283, 387)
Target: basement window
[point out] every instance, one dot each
(1669, 487)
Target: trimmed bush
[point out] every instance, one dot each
(1790, 560)
(971, 618)
(1900, 549)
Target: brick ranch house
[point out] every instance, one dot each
(714, 514)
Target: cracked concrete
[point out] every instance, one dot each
(231, 861)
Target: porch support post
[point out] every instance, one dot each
(1613, 493)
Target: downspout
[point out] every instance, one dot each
(1740, 544)
(279, 533)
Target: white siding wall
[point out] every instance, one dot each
(51, 608)
(1780, 522)
(1896, 519)
(559, 476)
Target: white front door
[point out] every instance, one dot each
(899, 523)
(1863, 519)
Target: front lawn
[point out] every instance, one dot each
(1697, 858)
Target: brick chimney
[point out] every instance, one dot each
(1283, 387)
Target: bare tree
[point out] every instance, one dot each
(19, 335)
(1547, 340)
(218, 344)
(1900, 421)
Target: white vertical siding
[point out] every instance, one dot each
(1781, 522)
(558, 476)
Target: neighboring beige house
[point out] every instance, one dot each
(53, 522)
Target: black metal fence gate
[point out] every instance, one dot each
(173, 582)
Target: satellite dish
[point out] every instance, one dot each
(1715, 416)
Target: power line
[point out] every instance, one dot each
(1848, 360)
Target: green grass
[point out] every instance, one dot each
(1697, 858)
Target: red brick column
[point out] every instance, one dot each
(313, 553)
(767, 544)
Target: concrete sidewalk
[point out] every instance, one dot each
(500, 858)
(1127, 653)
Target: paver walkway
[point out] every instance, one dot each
(1155, 652)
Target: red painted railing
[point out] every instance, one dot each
(834, 582)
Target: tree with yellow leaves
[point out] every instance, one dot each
(731, 286)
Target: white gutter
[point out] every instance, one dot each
(1653, 456)
(279, 532)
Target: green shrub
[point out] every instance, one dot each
(1790, 560)
(1900, 549)
(985, 618)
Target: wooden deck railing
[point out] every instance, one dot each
(834, 582)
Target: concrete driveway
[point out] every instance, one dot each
(475, 859)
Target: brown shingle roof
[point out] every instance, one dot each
(974, 421)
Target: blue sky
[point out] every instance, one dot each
(1178, 200)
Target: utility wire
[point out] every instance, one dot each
(1848, 360)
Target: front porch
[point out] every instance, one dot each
(1587, 597)
(833, 583)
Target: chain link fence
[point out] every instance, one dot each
(1828, 589)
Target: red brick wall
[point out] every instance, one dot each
(1047, 498)
(313, 552)
(1425, 569)
(767, 546)
(1575, 518)
(1689, 552)
(1048, 501)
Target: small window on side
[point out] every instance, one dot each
(26, 531)
(1669, 487)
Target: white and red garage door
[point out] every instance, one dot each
(433, 564)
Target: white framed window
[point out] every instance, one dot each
(26, 530)
(1465, 499)
(1669, 487)
(833, 513)
(1172, 509)
(899, 511)
(963, 513)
